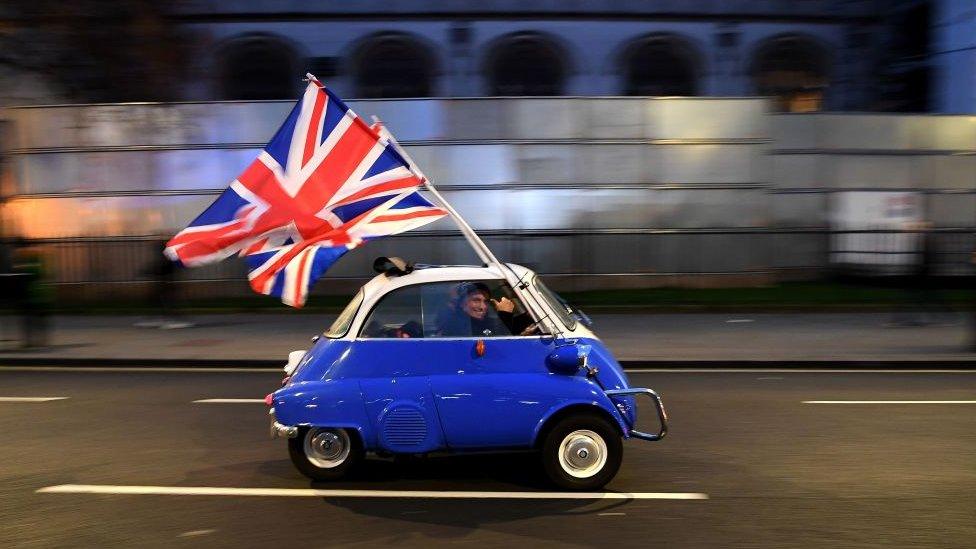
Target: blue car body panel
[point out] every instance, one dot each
(421, 395)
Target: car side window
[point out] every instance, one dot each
(472, 308)
(397, 315)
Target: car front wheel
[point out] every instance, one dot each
(323, 453)
(582, 453)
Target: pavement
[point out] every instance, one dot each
(265, 339)
(776, 470)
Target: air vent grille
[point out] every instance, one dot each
(404, 426)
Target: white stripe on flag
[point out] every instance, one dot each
(297, 149)
(364, 165)
(380, 178)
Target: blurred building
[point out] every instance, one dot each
(810, 54)
(835, 55)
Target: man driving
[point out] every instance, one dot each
(471, 316)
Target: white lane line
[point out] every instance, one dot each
(739, 320)
(230, 401)
(30, 399)
(195, 533)
(889, 401)
(316, 493)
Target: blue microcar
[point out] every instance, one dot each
(457, 359)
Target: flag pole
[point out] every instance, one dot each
(479, 246)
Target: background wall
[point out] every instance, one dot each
(596, 192)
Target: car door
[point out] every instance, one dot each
(497, 399)
(492, 398)
(394, 367)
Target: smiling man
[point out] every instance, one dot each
(472, 314)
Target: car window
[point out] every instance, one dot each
(467, 308)
(472, 308)
(397, 315)
(557, 304)
(341, 324)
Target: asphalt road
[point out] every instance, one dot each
(777, 472)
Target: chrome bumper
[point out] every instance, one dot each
(662, 415)
(281, 431)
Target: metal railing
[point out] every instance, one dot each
(582, 259)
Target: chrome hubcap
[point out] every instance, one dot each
(582, 453)
(326, 448)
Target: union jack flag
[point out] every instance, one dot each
(325, 183)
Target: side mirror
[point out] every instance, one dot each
(568, 359)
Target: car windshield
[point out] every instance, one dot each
(558, 304)
(341, 324)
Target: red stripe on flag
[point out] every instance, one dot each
(396, 184)
(313, 127)
(300, 279)
(256, 247)
(262, 181)
(323, 183)
(411, 215)
(197, 245)
(338, 236)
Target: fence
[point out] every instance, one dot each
(595, 192)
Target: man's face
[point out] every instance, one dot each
(475, 305)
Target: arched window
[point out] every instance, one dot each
(526, 64)
(258, 67)
(794, 70)
(660, 65)
(393, 65)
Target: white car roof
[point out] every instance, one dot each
(383, 283)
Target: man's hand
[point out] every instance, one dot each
(504, 305)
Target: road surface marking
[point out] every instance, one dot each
(889, 401)
(230, 401)
(195, 533)
(611, 514)
(317, 493)
(30, 399)
(739, 320)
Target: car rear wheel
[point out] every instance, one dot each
(582, 452)
(323, 453)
